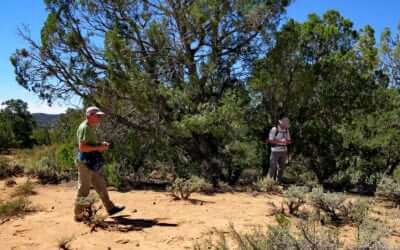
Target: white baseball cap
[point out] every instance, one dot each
(93, 110)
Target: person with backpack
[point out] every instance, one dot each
(279, 139)
(89, 162)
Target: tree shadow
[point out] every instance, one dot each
(123, 223)
(199, 202)
(192, 201)
(140, 223)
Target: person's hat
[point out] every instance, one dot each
(94, 111)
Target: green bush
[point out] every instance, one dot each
(267, 185)
(50, 164)
(298, 174)
(389, 190)
(295, 197)
(111, 175)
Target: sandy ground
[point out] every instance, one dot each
(163, 222)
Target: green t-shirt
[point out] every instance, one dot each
(87, 134)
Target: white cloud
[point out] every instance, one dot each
(56, 108)
(44, 108)
(36, 105)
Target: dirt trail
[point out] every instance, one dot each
(165, 223)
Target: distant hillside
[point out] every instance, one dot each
(45, 120)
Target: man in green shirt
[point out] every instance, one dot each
(89, 164)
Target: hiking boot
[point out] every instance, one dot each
(115, 209)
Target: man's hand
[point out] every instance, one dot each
(103, 147)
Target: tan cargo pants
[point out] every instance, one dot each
(86, 179)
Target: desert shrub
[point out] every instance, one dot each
(183, 188)
(9, 169)
(225, 187)
(15, 208)
(296, 196)
(359, 212)
(389, 190)
(313, 236)
(24, 189)
(279, 236)
(267, 185)
(201, 185)
(371, 234)
(335, 208)
(310, 235)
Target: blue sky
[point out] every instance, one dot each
(14, 14)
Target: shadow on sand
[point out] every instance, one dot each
(125, 224)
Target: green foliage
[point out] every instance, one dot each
(170, 87)
(313, 74)
(111, 175)
(16, 124)
(267, 185)
(390, 55)
(41, 136)
(7, 137)
(298, 174)
(198, 92)
(66, 126)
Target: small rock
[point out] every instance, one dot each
(52, 208)
(134, 211)
(122, 241)
(154, 203)
(137, 245)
